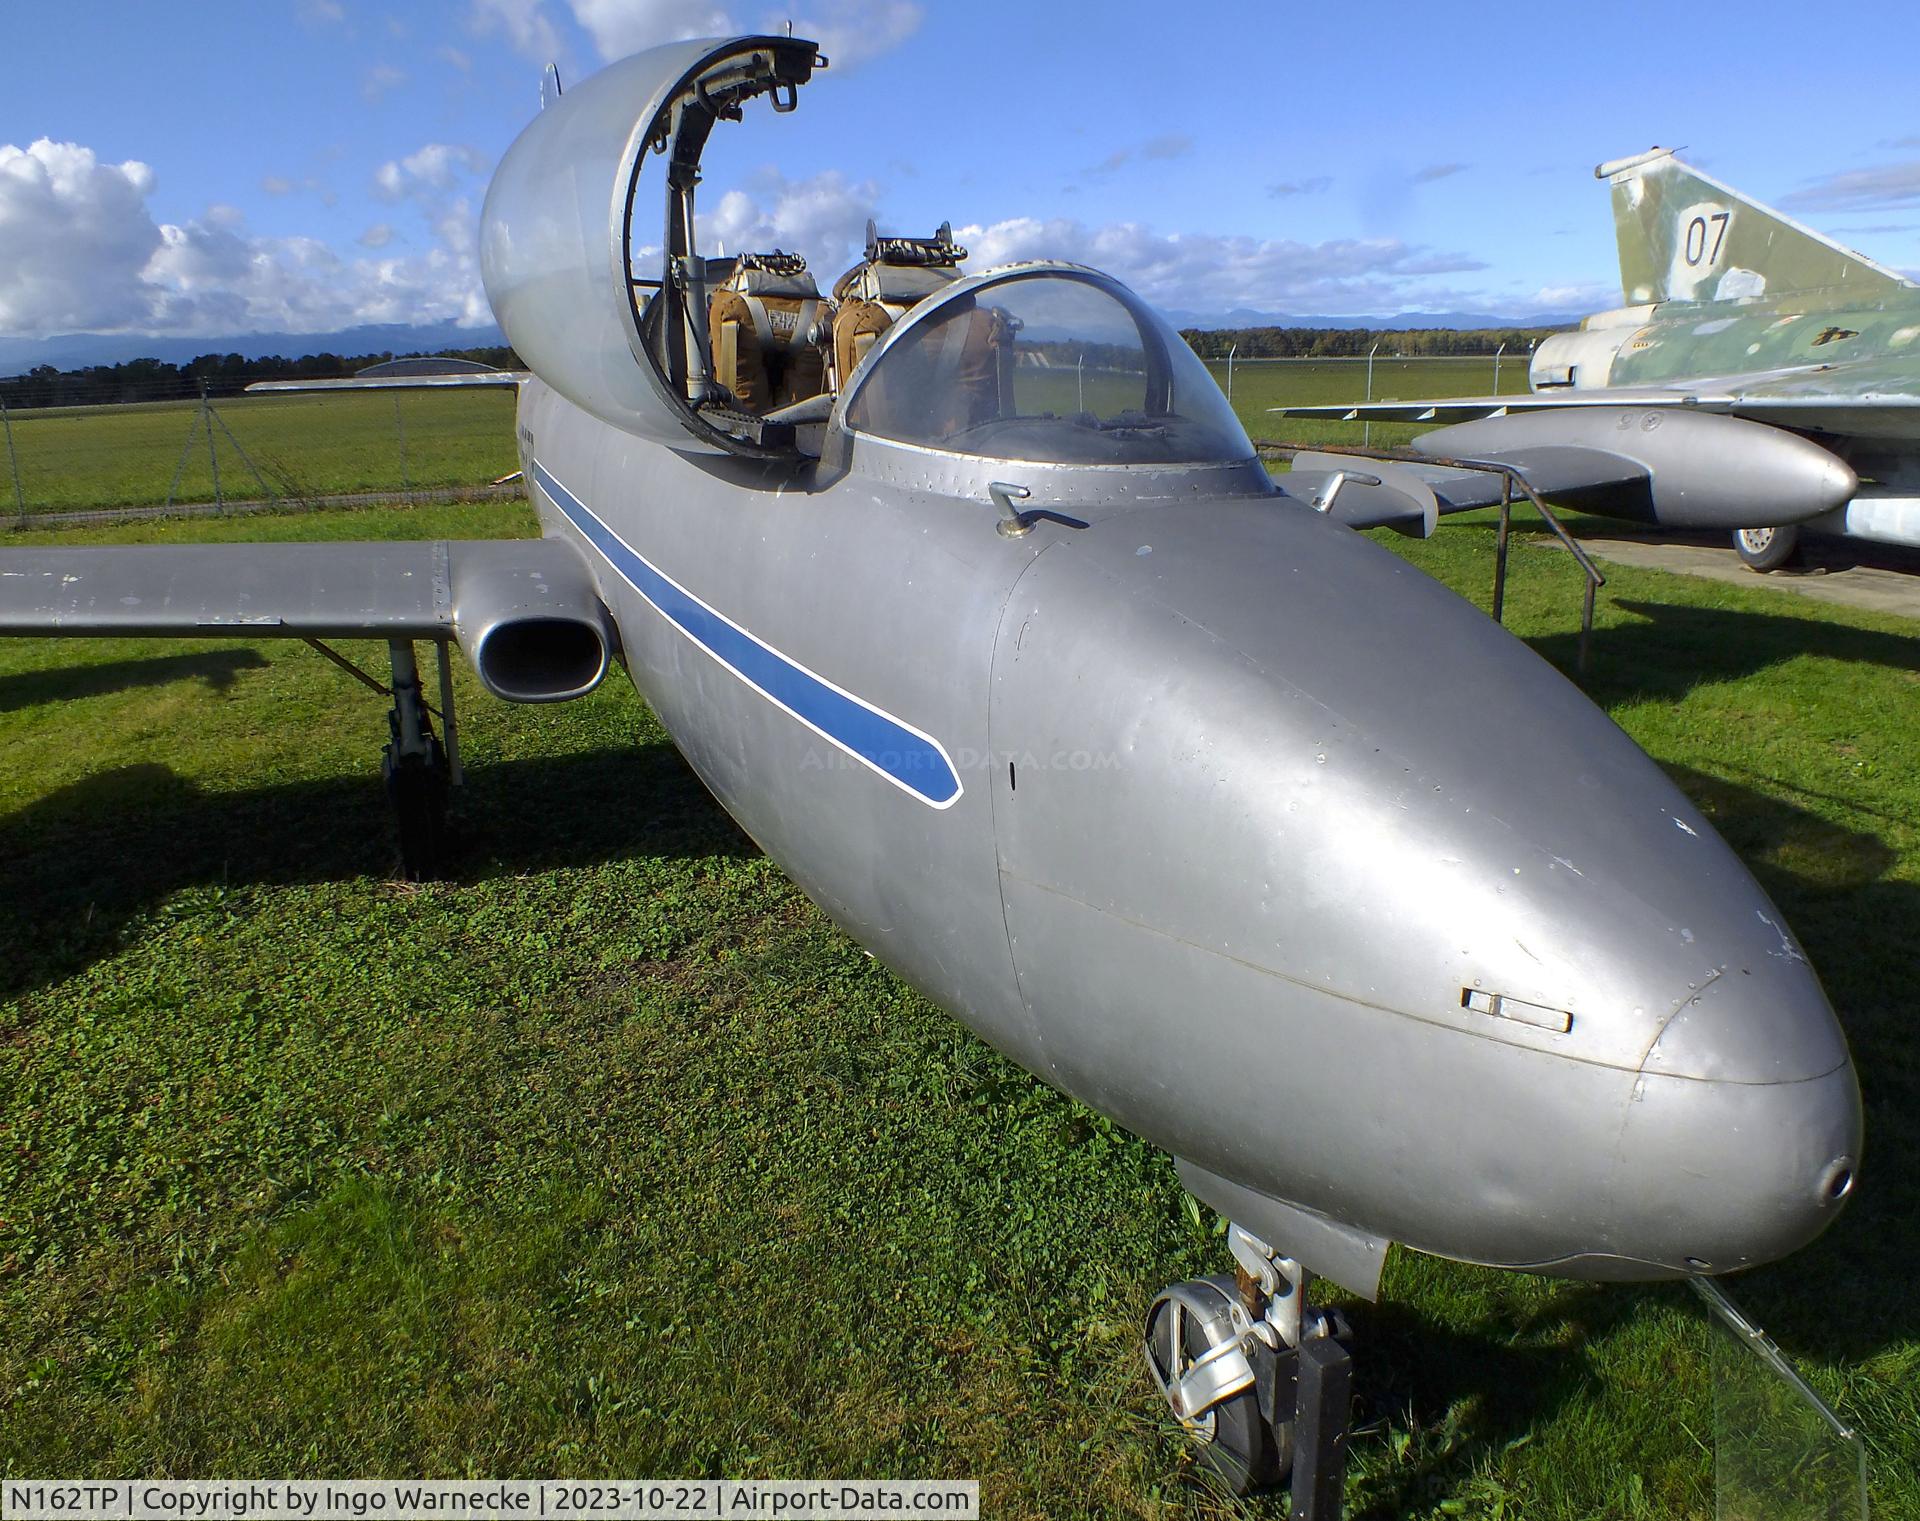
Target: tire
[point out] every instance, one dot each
(417, 788)
(1767, 549)
(1235, 1442)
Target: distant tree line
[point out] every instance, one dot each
(224, 374)
(1354, 342)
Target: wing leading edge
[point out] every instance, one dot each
(526, 611)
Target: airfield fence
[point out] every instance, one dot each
(167, 447)
(164, 451)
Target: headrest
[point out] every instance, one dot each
(771, 274)
(901, 270)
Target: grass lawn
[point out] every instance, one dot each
(320, 444)
(324, 444)
(610, 1156)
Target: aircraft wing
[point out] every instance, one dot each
(398, 382)
(527, 611)
(1553, 471)
(1879, 397)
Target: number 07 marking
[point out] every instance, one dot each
(1699, 234)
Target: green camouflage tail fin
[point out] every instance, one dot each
(1686, 237)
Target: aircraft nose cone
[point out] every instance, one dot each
(1458, 963)
(1717, 1175)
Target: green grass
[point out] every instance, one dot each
(320, 444)
(1260, 384)
(79, 458)
(611, 1156)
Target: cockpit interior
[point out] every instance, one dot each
(1044, 362)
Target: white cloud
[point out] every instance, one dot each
(1213, 273)
(459, 60)
(1582, 296)
(379, 79)
(274, 184)
(1431, 172)
(322, 12)
(74, 238)
(526, 23)
(377, 236)
(620, 27)
(80, 251)
(849, 32)
(1312, 186)
(823, 216)
(430, 168)
(1861, 189)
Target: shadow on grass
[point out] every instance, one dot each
(1410, 1372)
(106, 849)
(1671, 649)
(217, 668)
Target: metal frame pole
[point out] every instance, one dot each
(13, 463)
(213, 455)
(400, 432)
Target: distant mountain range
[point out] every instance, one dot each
(74, 351)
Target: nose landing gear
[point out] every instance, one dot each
(1262, 1382)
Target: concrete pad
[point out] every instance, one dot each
(1882, 580)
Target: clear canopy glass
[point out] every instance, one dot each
(1049, 366)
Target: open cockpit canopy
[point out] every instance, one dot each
(614, 321)
(589, 253)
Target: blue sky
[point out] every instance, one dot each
(303, 166)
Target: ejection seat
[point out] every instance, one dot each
(896, 274)
(766, 328)
(968, 362)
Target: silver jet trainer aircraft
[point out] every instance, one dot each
(969, 599)
(1760, 379)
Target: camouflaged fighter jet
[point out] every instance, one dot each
(969, 599)
(1759, 378)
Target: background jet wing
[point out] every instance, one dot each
(1875, 397)
(374, 590)
(1455, 409)
(398, 382)
(1552, 470)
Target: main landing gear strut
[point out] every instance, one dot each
(417, 767)
(1261, 1381)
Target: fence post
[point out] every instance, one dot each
(213, 458)
(400, 431)
(13, 463)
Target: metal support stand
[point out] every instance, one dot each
(449, 729)
(1512, 479)
(204, 416)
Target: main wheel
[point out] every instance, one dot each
(1236, 1442)
(1765, 549)
(417, 788)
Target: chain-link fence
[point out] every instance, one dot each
(191, 452)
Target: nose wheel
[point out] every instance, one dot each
(1261, 1384)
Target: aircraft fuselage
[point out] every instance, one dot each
(1166, 800)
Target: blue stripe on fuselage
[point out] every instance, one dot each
(909, 759)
